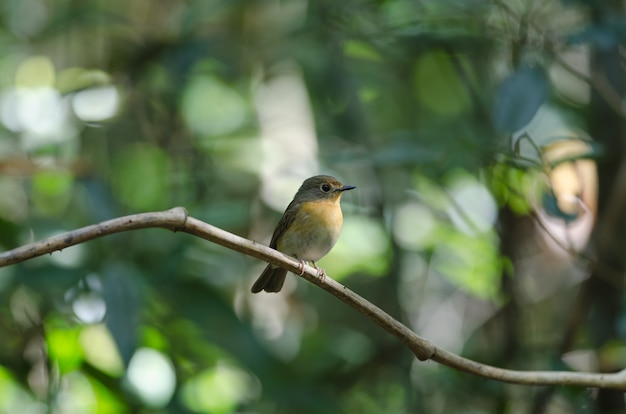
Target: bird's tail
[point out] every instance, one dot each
(271, 280)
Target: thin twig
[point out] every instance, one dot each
(177, 219)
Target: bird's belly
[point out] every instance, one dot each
(315, 233)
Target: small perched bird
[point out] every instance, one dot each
(308, 229)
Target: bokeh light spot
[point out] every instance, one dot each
(96, 104)
(35, 72)
(151, 376)
(217, 390)
(89, 307)
(413, 226)
(363, 246)
(211, 107)
(473, 208)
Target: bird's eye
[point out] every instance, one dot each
(325, 187)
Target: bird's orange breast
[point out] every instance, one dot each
(314, 231)
(326, 213)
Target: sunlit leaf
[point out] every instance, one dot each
(13, 397)
(512, 187)
(51, 190)
(470, 262)
(361, 50)
(217, 390)
(107, 401)
(64, 347)
(74, 79)
(100, 350)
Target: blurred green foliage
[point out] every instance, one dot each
(113, 107)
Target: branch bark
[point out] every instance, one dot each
(177, 219)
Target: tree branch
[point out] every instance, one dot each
(177, 219)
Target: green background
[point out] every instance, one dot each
(438, 111)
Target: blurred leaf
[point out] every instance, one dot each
(512, 187)
(438, 85)
(604, 36)
(76, 79)
(13, 398)
(154, 339)
(107, 401)
(519, 97)
(140, 177)
(52, 183)
(361, 50)
(48, 279)
(369, 397)
(51, 191)
(122, 296)
(388, 102)
(354, 347)
(363, 247)
(612, 355)
(9, 232)
(63, 346)
(471, 263)
(283, 385)
(100, 350)
(101, 203)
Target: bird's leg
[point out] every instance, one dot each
(302, 264)
(320, 272)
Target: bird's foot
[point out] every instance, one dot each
(302, 264)
(320, 272)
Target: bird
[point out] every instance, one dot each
(308, 229)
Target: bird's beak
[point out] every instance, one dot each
(346, 188)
